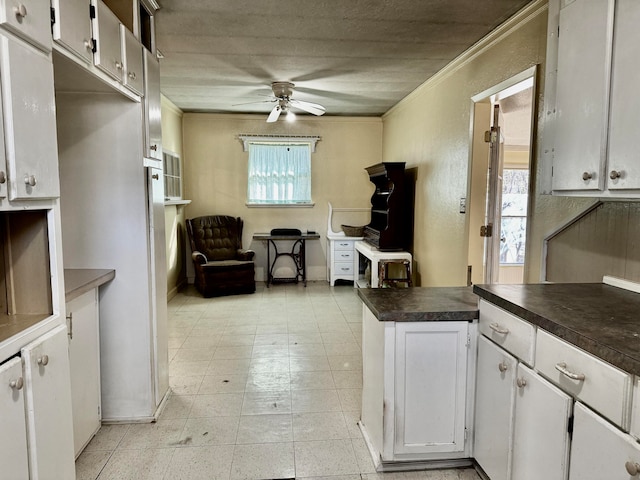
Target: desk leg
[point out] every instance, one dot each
(269, 266)
(303, 261)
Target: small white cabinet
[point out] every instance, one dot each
(13, 428)
(495, 397)
(106, 29)
(133, 71)
(601, 451)
(340, 258)
(541, 429)
(29, 19)
(72, 27)
(48, 406)
(84, 359)
(29, 117)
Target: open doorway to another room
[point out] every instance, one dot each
(499, 184)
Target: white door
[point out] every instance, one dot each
(13, 428)
(540, 437)
(29, 121)
(582, 94)
(48, 405)
(158, 280)
(601, 451)
(494, 200)
(84, 359)
(133, 70)
(495, 396)
(72, 27)
(106, 29)
(152, 104)
(430, 385)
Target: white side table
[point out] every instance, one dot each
(367, 252)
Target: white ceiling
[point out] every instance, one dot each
(355, 57)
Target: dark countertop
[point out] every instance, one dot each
(80, 280)
(421, 304)
(601, 319)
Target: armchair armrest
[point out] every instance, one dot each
(245, 254)
(198, 258)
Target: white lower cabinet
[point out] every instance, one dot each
(48, 406)
(541, 429)
(13, 427)
(601, 451)
(495, 396)
(84, 359)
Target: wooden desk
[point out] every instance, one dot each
(297, 253)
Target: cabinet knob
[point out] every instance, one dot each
(118, 65)
(30, 180)
(132, 75)
(88, 44)
(502, 367)
(155, 176)
(20, 11)
(521, 382)
(43, 360)
(587, 176)
(615, 174)
(633, 468)
(3, 177)
(17, 384)
(153, 147)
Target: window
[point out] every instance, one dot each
(172, 176)
(279, 173)
(513, 228)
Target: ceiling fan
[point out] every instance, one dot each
(282, 91)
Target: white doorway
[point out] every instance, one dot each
(499, 180)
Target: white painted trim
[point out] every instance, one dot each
(248, 138)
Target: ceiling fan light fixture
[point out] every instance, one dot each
(291, 117)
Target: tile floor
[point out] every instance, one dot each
(264, 386)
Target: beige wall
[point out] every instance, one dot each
(430, 129)
(215, 175)
(174, 214)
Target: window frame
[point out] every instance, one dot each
(171, 176)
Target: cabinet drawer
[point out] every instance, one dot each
(343, 245)
(510, 332)
(343, 268)
(343, 256)
(603, 387)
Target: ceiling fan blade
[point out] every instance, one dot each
(275, 113)
(254, 103)
(308, 107)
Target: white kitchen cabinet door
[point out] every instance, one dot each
(152, 106)
(84, 360)
(582, 95)
(29, 115)
(430, 385)
(29, 19)
(13, 428)
(601, 451)
(72, 27)
(540, 438)
(495, 396)
(133, 69)
(623, 170)
(48, 406)
(106, 30)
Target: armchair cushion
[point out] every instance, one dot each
(221, 265)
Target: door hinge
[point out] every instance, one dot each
(491, 135)
(92, 11)
(466, 434)
(486, 230)
(94, 45)
(53, 16)
(468, 344)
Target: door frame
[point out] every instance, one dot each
(485, 97)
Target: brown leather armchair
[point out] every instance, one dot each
(221, 265)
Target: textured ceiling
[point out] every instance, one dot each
(355, 57)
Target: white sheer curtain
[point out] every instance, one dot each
(279, 173)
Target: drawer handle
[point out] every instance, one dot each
(562, 368)
(633, 468)
(502, 367)
(498, 329)
(345, 269)
(17, 384)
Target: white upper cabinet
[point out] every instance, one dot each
(29, 19)
(108, 55)
(133, 69)
(624, 142)
(29, 117)
(595, 143)
(72, 27)
(584, 59)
